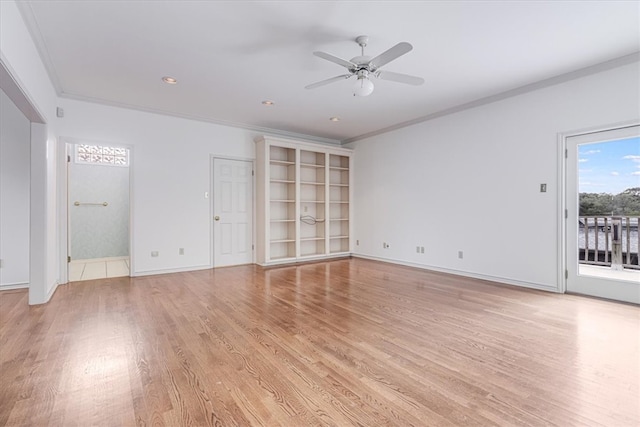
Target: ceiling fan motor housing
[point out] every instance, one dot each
(361, 61)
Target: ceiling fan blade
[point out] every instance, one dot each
(400, 78)
(389, 55)
(335, 60)
(326, 82)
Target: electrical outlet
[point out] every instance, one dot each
(543, 188)
(357, 242)
(460, 254)
(154, 254)
(417, 249)
(421, 249)
(181, 251)
(385, 245)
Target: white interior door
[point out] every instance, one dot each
(585, 279)
(232, 212)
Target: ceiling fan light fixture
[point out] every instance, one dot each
(363, 86)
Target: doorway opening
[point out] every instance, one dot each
(98, 211)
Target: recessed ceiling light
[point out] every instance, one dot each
(268, 103)
(334, 119)
(169, 80)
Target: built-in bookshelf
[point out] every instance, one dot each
(303, 201)
(313, 202)
(339, 203)
(282, 202)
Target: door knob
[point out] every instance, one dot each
(217, 218)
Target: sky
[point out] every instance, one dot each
(609, 167)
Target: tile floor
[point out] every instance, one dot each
(102, 268)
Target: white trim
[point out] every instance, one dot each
(132, 206)
(562, 224)
(63, 220)
(304, 260)
(304, 144)
(170, 270)
(11, 286)
(52, 291)
(47, 297)
(501, 280)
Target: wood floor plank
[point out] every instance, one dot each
(347, 342)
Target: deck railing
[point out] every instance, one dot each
(598, 240)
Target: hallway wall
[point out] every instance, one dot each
(15, 140)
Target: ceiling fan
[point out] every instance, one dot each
(363, 67)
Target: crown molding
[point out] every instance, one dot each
(562, 78)
(252, 128)
(34, 29)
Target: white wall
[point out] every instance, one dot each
(170, 161)
(470, 181)
(15, 140)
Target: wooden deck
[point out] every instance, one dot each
(342, 343)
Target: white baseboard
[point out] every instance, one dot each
(47, 297)
(304, 260)
(11, 286)
(52, 291)
(502, 280)
(170, 270)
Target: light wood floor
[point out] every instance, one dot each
(348, 342)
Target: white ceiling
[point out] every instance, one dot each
(228, 56)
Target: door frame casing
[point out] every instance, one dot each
(64, 150)
(562, 194)
(212, 158)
